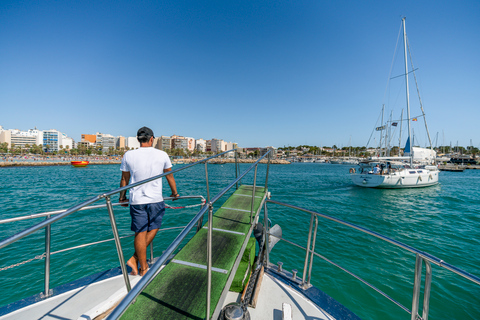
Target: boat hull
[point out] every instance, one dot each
(79, 163)
(397, 180)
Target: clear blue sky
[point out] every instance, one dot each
(255, 72)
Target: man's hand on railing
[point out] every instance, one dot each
(124, 200)
(174, 196)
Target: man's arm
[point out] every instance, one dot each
(171, 183)
(123, 182)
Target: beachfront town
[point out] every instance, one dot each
(55, 143)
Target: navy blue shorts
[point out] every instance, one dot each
(147, 217)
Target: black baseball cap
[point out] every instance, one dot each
(145, 132)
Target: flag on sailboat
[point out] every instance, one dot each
(414, 119)
(394, 124)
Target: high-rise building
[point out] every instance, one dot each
(22, 138)
(179, 142)
(166, 143)
(89, 137)
(6, 137)
(120, 142)
(208, 146)
(105, 140)
(201, 145)
(51, 140)
(190, 144)
(218, 145)
(132, 143)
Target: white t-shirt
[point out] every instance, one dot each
(144, 163)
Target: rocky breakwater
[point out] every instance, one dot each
(49, 163)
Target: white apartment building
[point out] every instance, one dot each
(218, 145)
(51, 140)
(231, 146)
(132, 143)
(22, 138)
(190, 144)
(67, 142)
(105, 140)
(201, 145)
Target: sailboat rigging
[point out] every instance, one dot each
(416, 168)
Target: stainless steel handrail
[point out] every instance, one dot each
(155, 269)
(46, 214)
(77, 207)
(425, 255)
(420, 256)
(107, 240)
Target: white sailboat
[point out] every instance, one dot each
(415, 169)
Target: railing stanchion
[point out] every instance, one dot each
(48, 233)
(209, 258)
(266, 230)
(253, 193)
(268, 168)
(151, 252)
(200, 222)
(416, 286)
(206, 180)
(308, 251)
(117, 243)
(236, 168)
(426, 293)
(313, 250)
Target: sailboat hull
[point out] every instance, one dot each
(408, 178)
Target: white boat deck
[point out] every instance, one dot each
(273, 294)
(83, 303)
(88, 302)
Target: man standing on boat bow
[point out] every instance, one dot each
(146, 201)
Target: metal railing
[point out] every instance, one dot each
(420, 258)
(47, 254)
(54, 216)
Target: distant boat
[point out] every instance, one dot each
(79, 163)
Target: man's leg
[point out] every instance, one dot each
(140, 244)
(139, 222)
(142, 241)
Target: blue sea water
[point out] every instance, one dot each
(442, 220)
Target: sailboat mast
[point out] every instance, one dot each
(381, 130)
(400, 136)
(406, 84)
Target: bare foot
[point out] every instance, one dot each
(133, 263)
(143, 271)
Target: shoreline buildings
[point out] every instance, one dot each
(53, 140)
